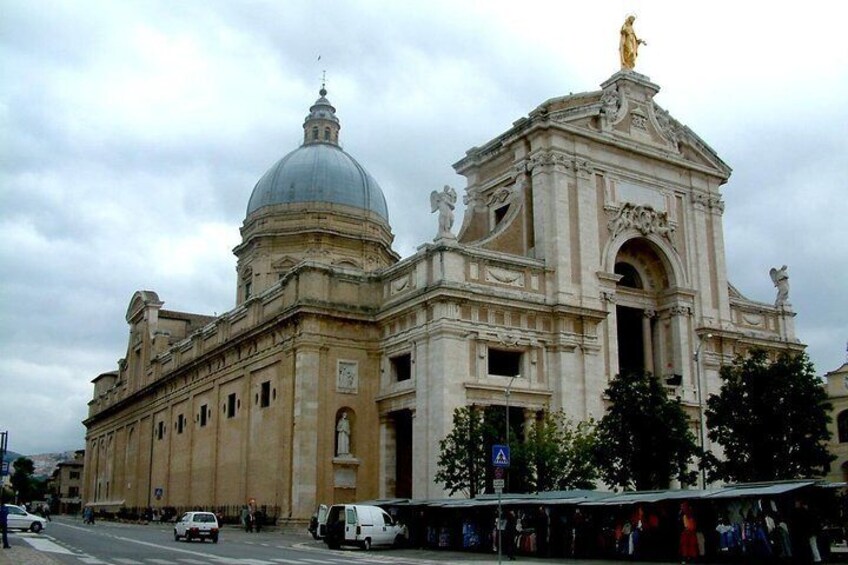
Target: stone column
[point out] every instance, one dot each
(388, 456)
(699, 252)
(647, 340)
(552, 220)
(304, 478)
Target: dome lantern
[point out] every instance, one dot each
(321, 125)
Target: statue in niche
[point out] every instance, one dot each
(780, 278)
(343, 436)
(629, 45)
(444, 202)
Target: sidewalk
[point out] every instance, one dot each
(21, 553)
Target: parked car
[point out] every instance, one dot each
(317, 524)
(197, 525)
(362, 526)
(20, 519)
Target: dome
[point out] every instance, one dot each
(319, 170)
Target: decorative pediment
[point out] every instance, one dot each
(284, 263)
(625, 109)
(139, 301)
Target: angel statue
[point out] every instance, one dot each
(780, 278)
(444, 202)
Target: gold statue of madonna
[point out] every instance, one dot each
(629, 46)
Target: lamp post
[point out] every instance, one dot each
(697, 358)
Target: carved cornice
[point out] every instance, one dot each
(708, 202)
(642, 218)
(680, 311)
(568, 163)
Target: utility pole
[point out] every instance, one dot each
(701, 423)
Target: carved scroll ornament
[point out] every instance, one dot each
(643, 218)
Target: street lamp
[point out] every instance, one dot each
(697, 359)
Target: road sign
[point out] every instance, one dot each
(500, 455)
(4, 469)
(498, 484)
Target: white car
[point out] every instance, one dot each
(361, 525)
(197, 525)
(20, 519)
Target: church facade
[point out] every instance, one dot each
(592, 243)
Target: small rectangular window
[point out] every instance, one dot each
(265, 394)
(402, 367)
(504, 363)
(160, 430)
(203, 416)
(231, 405)
(74, 475)
(247, 290)
(180, 423)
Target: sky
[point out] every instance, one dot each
(134, 132)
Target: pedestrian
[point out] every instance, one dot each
(88, 515)
(509, 534)
(257, 520)
(4, 523)
(245, 519)
(45, 511)
(542, 524)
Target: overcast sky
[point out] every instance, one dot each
(133, 134)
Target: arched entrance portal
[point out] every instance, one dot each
(646, 339)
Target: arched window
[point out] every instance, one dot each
(842, 426)
(315, 133)
(326, 134)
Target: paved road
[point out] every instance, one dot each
(68, 541)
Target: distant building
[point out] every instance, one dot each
(837, 390)
(67, 483)
(592, 243)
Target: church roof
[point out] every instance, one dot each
(319, 170)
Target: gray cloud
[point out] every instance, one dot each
(133, 134)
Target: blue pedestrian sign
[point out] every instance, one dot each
(500, 455)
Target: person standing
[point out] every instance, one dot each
(4, 523)
(509, 534)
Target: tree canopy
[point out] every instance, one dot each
(462, 453)
(643, 440)
(771, 419)
(559, 454)
(22, 479)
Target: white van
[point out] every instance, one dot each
(360, 525)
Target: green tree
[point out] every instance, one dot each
(771, 419)
(559, 453)
(21, 479)
(462, 453)
(643, 440)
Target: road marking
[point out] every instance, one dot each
(126, 561)
(159, 561)
(192, 561)
(92, 560)
(42, 544)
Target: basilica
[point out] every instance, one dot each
(591, 243)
